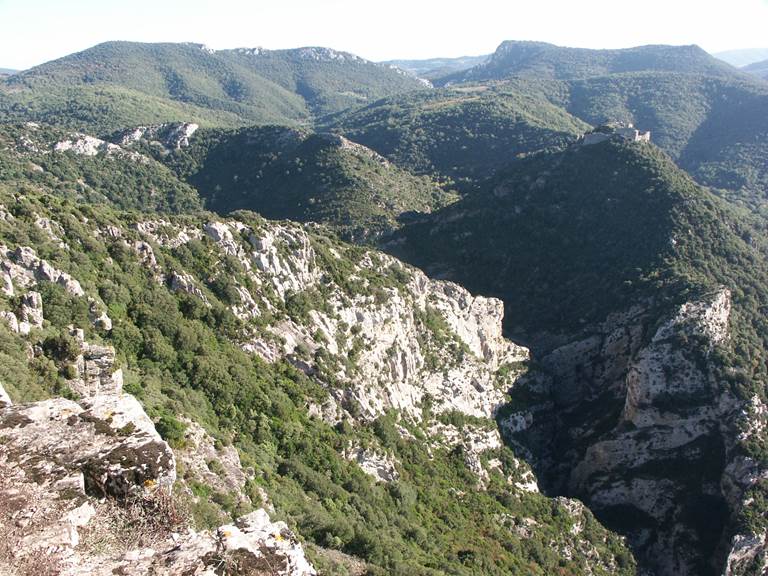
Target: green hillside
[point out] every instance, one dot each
(113, 177)
(759, 69)
(542, 60)
(557, 228)
(328, 80)
(294, 174)
(712, 126)
(566, 240)
(117, 84)
(462, 135)
(183, 354)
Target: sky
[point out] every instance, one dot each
(35, 31)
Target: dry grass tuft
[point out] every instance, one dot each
(140, 521)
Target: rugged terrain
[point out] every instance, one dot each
(186, 391)
(639, 403)
(288, 173)
(343, 392)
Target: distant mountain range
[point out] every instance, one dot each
(432, 68)
(759, 69)
(744, 57)
(705, 113)
(542, 60)
(118, 84)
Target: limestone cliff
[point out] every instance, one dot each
(383, 342)
(633, 419)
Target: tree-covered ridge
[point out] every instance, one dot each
(759, 69)
(572, 239)
(329, 81)
(287, 173)
(619, 220)
(49, 157)
(711, 126)
(542, 60)
(175, 292)
(462, 135)
(118, 84)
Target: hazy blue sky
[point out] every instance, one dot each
(34, 31)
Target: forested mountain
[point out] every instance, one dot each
(759, 69)
(462, 135)
(172, 362)
(335, 386)
(541, 60)
(86, 169)
(118, 84)
(289, 173)
(703, 112)
(710, 125)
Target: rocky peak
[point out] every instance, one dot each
(171, 136)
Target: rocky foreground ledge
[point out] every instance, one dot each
(87, 488)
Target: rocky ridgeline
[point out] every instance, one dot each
(377, 334)
(379, 324)
(633, 420)
(399, 362)
(86, 486)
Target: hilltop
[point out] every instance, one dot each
(542, 60)
(462, 135)
(119, 84)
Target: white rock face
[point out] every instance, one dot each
(183, 282)
(25, 269)
(56, 455)
(254, 544)
(218, 468)
(5, 400)
(171, 136)
(373, 463)
(108, 440)
(95, 369)
(85, 145)
(748, 555)
(398, 362)
(659, 405)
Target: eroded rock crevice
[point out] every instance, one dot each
(634, 420)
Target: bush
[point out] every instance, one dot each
(172, 430)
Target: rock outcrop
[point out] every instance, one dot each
(634, 420)
(58, 461)
(171, 136)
